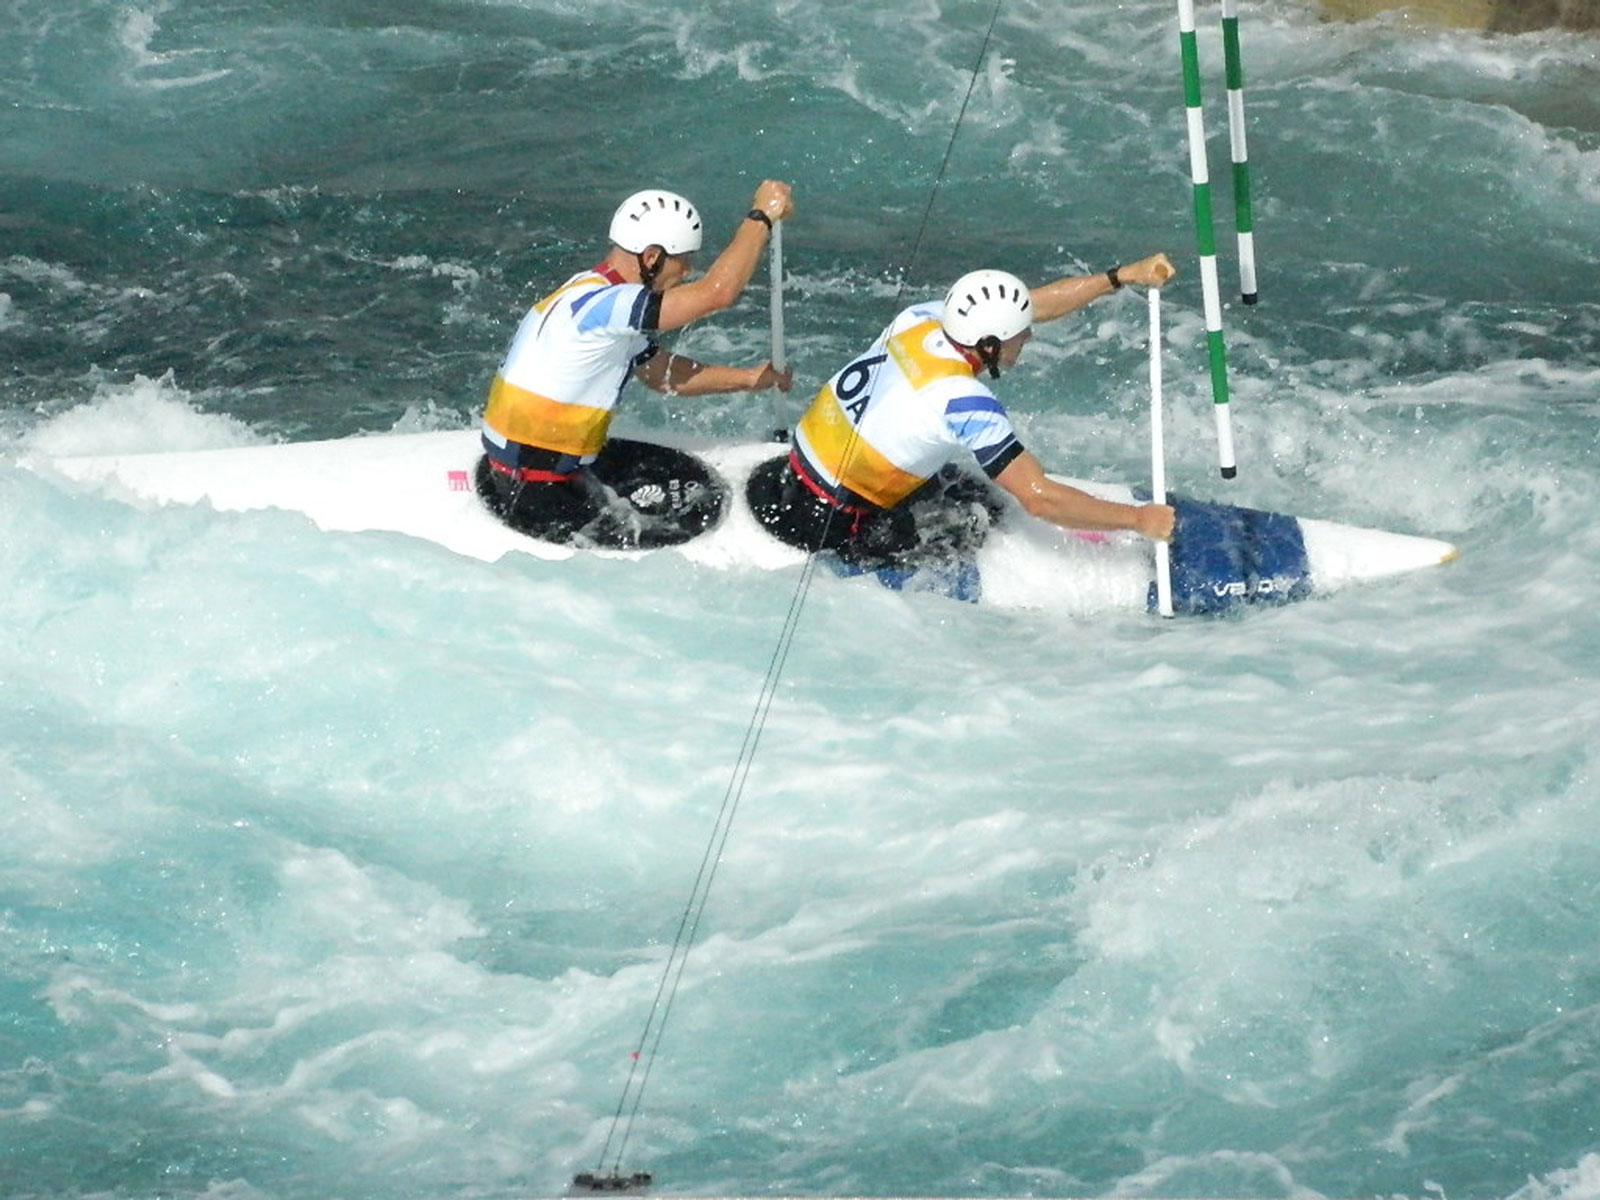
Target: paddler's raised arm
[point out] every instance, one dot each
(726, 278)
(1072, 292)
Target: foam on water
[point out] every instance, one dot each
(336, 865)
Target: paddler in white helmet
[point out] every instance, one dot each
(867, 471)
(550, 405)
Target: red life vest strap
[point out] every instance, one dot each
(531, 474)
(800, 467)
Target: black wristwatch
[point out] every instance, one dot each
(1116, 281)
(755, 214)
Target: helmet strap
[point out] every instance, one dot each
(649, 271)
(988, 349)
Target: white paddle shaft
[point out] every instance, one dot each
(1158, 467)
(780, 358)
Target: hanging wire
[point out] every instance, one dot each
(961, 115)
(610, 1177)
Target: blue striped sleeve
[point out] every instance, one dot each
(622, 306)
(979, 423)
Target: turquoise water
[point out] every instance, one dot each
(338, 866)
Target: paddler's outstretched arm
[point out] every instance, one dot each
(1071, 508)
(1071, 293)
(680, 376)
(726, 278)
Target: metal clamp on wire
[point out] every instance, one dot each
(614, 1182)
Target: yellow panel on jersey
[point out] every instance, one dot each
(830, 437)
(908, 349)
(519, 415)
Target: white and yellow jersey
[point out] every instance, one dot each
(886, 423)
(567, 364)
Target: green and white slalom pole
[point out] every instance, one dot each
(1204, 237)
(1233, 67)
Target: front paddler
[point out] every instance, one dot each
(864, 476)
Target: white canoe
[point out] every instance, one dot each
(422, 485)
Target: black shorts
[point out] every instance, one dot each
(947, 519)
(634, 496)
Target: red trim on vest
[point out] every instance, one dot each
(974, 360)
(855, 512)
(531, 474)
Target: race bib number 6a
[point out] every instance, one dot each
(854, 386)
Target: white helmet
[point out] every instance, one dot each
(985, 304)
(656, 218)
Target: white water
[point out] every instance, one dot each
(337, 865)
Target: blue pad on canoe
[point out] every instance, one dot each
(1225, 557)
